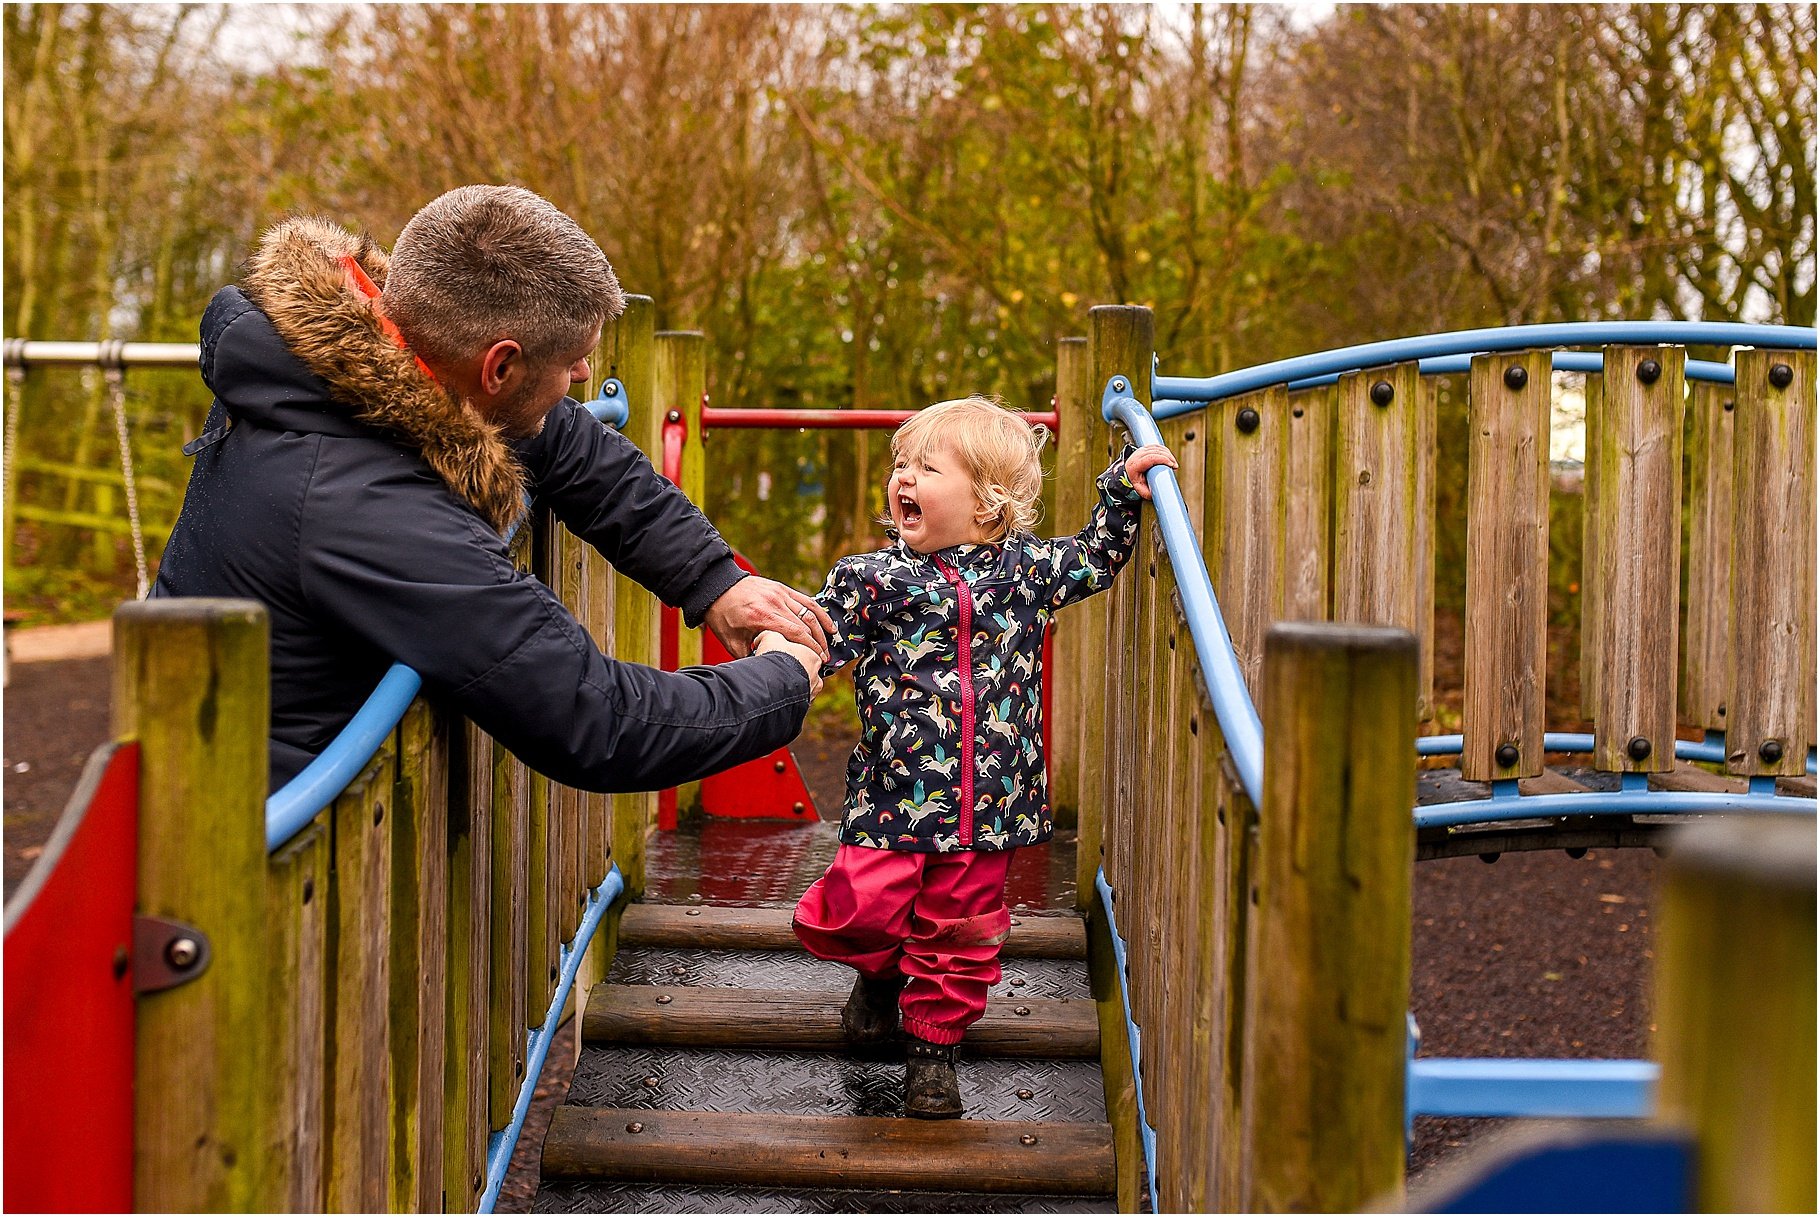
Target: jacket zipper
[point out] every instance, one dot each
(965, 659)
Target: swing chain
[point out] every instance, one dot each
(113, 368)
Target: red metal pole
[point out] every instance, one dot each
(838, 420)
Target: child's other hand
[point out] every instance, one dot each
(1139, 464)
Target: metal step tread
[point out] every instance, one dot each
(770, 1150)
(798, 1019)
(703, 926)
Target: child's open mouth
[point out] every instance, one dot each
(908, 511)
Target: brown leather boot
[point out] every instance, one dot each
(931, 1090)
(870, 1016)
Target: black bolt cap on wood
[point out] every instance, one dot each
(1383, 393)
(1649, 371)
(1516, 376)
(1507, 755)
(1638, 748)
(1770, 750)
(1247, 421)
(1781, 375)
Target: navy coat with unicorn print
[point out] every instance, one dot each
(949, 679)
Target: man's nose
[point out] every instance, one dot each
(580, 371)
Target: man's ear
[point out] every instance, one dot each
(501, 366)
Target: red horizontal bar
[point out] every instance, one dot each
(851, 420)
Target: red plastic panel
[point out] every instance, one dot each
(769, 788)
(69, 1003)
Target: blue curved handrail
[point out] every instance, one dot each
(1232, 704)
(1577, 741)
(1184, 393)
(290, 808)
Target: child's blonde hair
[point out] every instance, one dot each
(1000, 450)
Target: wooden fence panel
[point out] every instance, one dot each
(470, 930)
(1248, 520)
(358, 1102)
(1708, 555)
(420, 828)
(1592, 577)
(1771, 705)
(508, 807)
(1308, 523)
(1636, 514)
(1506, 566)
(297, 885)
(1378, 499)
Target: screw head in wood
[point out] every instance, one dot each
(1638, 749)
(1575, 853)
(1507, 755)
(663, 999)
(1383, 393)
(1189, 436)
(1247, 421)
(1516, 376)
(692, 913)
(1297, 412)
(1781, 375)
(635, 1127)
(1770, 750)
(1649, 371)
(1028, 1139)
(1488, 859)
(1023, 1011)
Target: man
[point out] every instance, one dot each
(381, 423)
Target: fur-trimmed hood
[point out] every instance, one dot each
(297, 280)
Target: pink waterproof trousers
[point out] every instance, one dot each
(939, 919)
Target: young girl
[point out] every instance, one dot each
(947, 625)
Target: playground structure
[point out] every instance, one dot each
(359, 1033)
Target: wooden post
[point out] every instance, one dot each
(1592, 571)
(191, 685)
(1771, 705)
(1328, 995)
(682, 380)
(1247, 535)
(1072, 631)
(1506, 566)
(420, 828)
(1708, 554)
(631, 345)
(1308, 526)
(1121, 342)
(469, 923)
(1379, 493)
(509, 939)
(1637, 517)
(1735, 1010)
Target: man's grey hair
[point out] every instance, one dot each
(483, 263)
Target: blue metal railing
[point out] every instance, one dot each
(1183, 392)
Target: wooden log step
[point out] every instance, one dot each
(769, 1150)
(715, 927)
(809, 1019)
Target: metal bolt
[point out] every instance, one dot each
(1488, 859)
(635, 1127)
(1022, 1011)
(674, 416)
(798, 808)
(1189, 436)
(1298, 412)
(1649, 371)
(650, 1083)
(1383, 393)
(1026, 1094)
(1730, 406)
(1507, 755)
(1770, 750)
(1638, 749)
(678, 970)
(1247, 421)
(1028, 1139)
(121, 962)
(692, 912)
(1017, 982)
(1015, 921)
(378, 812)
(1194, 726)
(182, 953)
(1118, 384)
(610, 389)
(309, 890)
(663, 999)
(1576, 853)
(1781, 375)
(779, 766)
(1516, 376)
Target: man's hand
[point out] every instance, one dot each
(771, 640)
(754, 605)
(1139, 464)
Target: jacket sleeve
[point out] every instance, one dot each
(1073, 568)
(422, 580)
(608, 493)
(843, 596)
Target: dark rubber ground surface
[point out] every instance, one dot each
(1536, 955)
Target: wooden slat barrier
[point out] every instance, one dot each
(1506, 566)
(1708, 555)
(363, 1025)
(1635, 514)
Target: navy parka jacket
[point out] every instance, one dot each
(342, 489)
